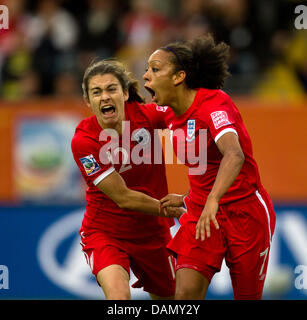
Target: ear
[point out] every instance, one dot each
(126, 95)
(179, 77)
(87, 102)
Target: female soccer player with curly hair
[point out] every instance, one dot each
(229, 214)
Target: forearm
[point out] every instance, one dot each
(229, 169)
(138, 201)
(116, 189)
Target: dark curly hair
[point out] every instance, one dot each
(204, 61)
(117, 69)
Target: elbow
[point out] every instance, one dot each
(124, 202)
(127, 199)
(237, 157)
(240, 158)
(119, 198)
(123, 197)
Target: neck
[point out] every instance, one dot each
(184, 99)
(118, 126)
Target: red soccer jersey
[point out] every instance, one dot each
(214, 111)
(91, 154)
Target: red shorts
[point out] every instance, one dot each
(148, 258)
(243, 239)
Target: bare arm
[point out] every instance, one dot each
(115, 188)
(230, 167)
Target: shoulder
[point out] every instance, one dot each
(133, 109)
(85, 132)
(148, 111)
(211, 101)
(86, 125)
(153, 108)
(159, 116)
(213, 96)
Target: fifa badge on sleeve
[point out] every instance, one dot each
(90, 165)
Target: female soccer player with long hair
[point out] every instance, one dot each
(122, 227)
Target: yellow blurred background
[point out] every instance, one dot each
(43, 55)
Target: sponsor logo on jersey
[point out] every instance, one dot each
(163, 109)
(90, 165)
(220, 119)
(190, 130)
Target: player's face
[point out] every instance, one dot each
(107, 99)
(159, 78)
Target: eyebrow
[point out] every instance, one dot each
(108, 86)
(158, 61)
(154, 61)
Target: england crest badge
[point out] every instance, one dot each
(190, 130)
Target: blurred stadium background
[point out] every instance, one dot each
(43, 55)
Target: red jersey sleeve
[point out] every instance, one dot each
(220, 115)
(86, 152)
(157, 115)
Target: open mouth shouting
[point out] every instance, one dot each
(108, 111)
(152, 93)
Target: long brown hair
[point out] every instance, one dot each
(117, 69)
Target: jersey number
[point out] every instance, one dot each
(125, 160)
(265, 254)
